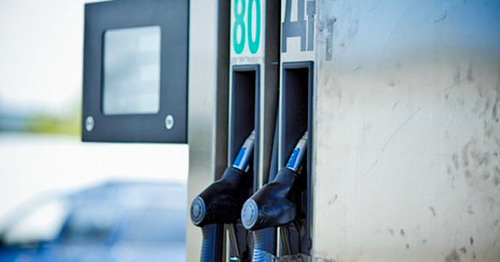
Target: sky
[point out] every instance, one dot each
(41, 51)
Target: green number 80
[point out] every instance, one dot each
(239, 23)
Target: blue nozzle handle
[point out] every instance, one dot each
(211, 247)
(243, 158)
(295, 160)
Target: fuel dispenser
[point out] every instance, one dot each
(285, 202)
(393, 105)
(145, 100)
(293, 98)
(296, 117)
(254, 45)
(253, 102)
(296, 137)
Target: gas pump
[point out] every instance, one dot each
(253, 98)
(255, 91)
(334, 100)
(285, 203)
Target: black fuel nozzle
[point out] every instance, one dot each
(272, 205)
(221, 201)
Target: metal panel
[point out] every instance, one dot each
(169, 124)
(208, 95)
(407, 133)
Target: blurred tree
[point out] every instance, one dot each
(68, 124)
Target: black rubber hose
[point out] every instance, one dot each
(264, 245)
(211, 247)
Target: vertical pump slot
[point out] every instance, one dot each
(295, 111)
(244, 111)
(243, 107)
(296, 119)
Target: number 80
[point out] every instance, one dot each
(239, 23)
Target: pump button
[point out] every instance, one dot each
(249, 213)
(198, 210)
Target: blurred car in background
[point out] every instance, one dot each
(116, 221)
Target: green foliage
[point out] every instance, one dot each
(48, 124)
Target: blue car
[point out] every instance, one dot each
(117, 221)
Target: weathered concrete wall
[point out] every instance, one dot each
(407, 132)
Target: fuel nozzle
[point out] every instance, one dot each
(221, 201)
(271, 206)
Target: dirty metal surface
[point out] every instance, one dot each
(407, 134)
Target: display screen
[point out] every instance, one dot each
(131, 75)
